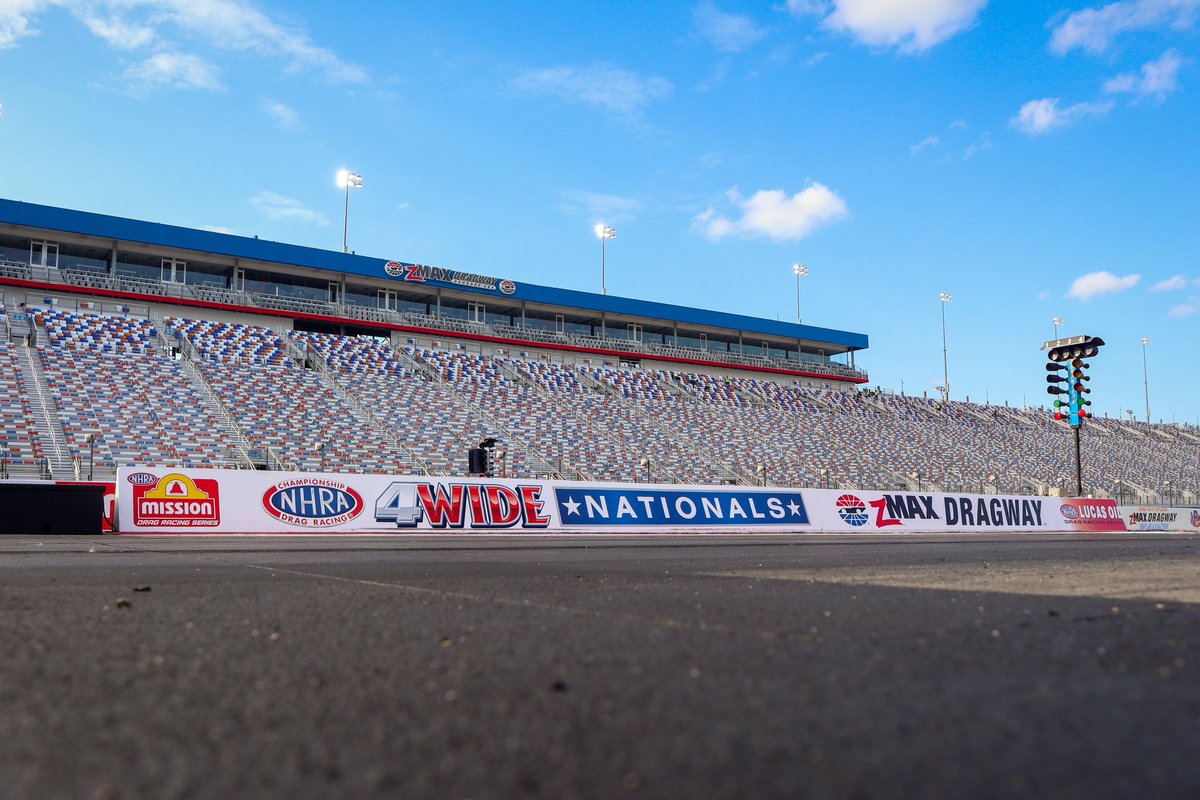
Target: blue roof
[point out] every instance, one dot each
(173, 236)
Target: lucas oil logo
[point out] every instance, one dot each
(312, 503)
(458, 505)
(175, 501)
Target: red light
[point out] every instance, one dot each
(1082, 413)
(1058, 416)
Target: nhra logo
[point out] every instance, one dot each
(311, 503)
(852, 510)
(459, 505)
(507, 287)
(1070, 512)
(175, 501)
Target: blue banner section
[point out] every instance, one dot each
(625, 507)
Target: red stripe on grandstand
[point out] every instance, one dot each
(269, 312)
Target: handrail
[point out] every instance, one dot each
(242, 442)
(535, 457)
(728, 470)
(322, 367)
(87, 278)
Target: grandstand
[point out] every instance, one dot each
(125, 343)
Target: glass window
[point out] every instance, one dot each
(136, 265)
(90, 259)
(14, 249)
(201, 274)
(298, 286)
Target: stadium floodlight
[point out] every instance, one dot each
(1146, 379)
(1058, 321)
(945, 298)
(347, 180)
(800, 271)
(605, 233)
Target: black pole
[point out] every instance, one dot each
(1078, 465)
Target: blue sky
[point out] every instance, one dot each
(1033, 159)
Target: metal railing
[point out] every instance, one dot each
(92, 279)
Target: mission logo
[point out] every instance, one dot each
(175, 501)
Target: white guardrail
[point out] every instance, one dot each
(226, 501)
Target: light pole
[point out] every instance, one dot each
(645, 462)
(90, 440)
(945, 298)
(1057, 322)
(321, 454)
(801, 271)
(605, 233)
(347, 179)
(1146, 378)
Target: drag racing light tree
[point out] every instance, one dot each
(1068, 355)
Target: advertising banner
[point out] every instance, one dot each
(227, 501)
(1085, 514)
(1160, 518)
(898, 512)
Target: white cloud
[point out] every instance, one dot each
(1041, 116)
(173, 71)
(609, 88)
(219, 24)
(119, 33)
(1094, 29)
(910, 25)
(1170, 284)
(1189, 309)
(235, 25)
(1085, 287)
(1157, 78)
(928, 141)
(606, 208)
(283, 114)
(771, 213)
(982, 146)
(277, 207)
(729, 33)
(15, 16)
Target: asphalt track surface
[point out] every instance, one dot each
(1063, 666)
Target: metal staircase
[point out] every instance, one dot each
(319, 365)
(726, 473)
(49, 429)
(242, 449)
(540, 464)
